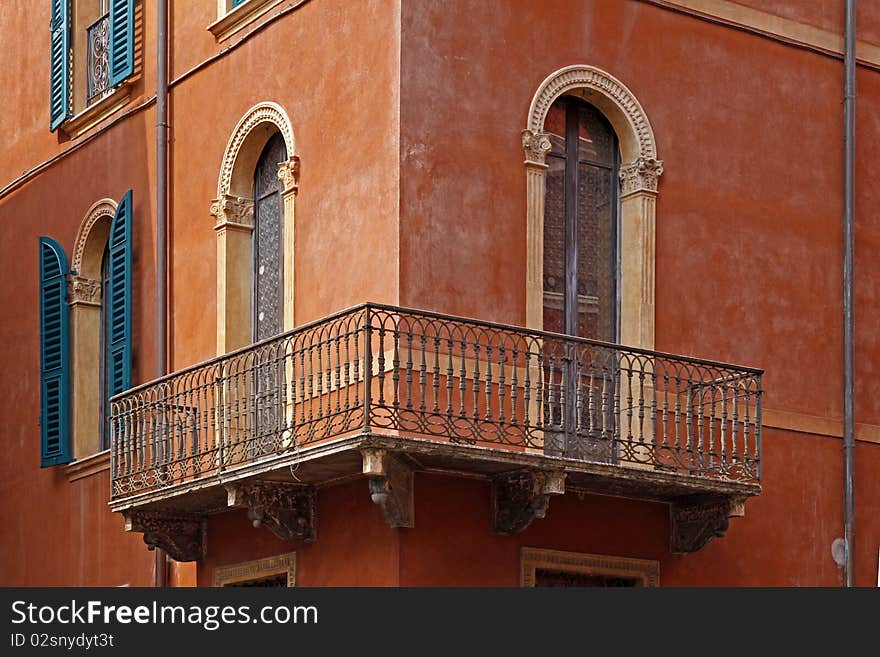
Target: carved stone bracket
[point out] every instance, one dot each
(391, 486)
(695, 522)
(183, 537)
(230, 210)
(288, 174)
(536, 146)
(83, 290)
(288, 510)
(520, 497)
(640, 176)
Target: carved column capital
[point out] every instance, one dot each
(287, 510)
(83, 290)
(182, 536)
(640, 176)
(233, 211)
(288, 174)
(520, 497)
(695, 522)
(536, 145)
(391, 486)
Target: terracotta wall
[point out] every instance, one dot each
(748, 256)
(321, 64)
(749, 245)
(749, 233)
(53, 531)
(452, 545)
(24, 124)
(354, 546)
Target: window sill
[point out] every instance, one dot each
(94, 114)
(88, 466)
(242, 16)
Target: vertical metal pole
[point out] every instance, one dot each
(848, 315)
(161, 212)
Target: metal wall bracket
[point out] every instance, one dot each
(696, 521)
(391, 486)
(183, 537)
(289, 511)
(520, 497)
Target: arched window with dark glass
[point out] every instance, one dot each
(581, 282)
(268, 294)
(581, 222)
(268, 241)
(106, 375)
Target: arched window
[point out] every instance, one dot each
(616, 189)
(268, 241)
(104, 356)
(257, 185)
(581, 272)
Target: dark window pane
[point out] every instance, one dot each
(554, 245)
(106, 375)
(597, 259)
(554, 125)
(595, 137)
(587, 257)
(559, 578)
(268, 242)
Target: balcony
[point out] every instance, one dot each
(380, 392)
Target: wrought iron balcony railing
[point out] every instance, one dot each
(97, 63)
(390, 371)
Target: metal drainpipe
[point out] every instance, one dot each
(161, 213)
(848, 316)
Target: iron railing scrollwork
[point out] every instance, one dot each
(97, 62)
(394, 371)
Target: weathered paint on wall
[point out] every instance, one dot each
(407, 121)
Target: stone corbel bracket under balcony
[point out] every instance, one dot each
(521, 487)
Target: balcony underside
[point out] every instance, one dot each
(699, 508)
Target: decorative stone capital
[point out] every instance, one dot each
(520, 497)
(288, 174)
(183, 537)
(234, 211)
(696, 522)
(536, 145)
(287, 510)
(640, 176)
(83, 290)
(391, 486)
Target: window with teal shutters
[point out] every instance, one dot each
(235, 3)
(119, 307)
(121, 46)
(59, 75)
(54, 356)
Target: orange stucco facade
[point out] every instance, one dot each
(406, 117)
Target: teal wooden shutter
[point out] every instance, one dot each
(235, 3)
(119, 307)
(54, 356)
(121, 50)
(59, 55)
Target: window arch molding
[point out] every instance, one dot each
(233, 211)
(639, 172)
(84, 297)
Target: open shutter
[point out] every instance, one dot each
(121, 50)
(54, 355)
(59, 73)
(119, 308)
